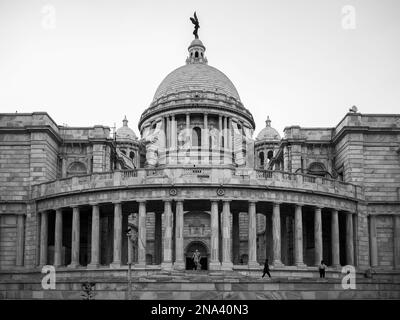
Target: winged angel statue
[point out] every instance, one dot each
(195, 21)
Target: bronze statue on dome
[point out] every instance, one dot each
(195, 21)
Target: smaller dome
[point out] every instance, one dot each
(125, 132)
(196, 42)
(268, 133)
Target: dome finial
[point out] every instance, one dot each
(268, 122)
(196, 23)
(125, 122)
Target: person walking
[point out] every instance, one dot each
(266, 269)
(321, 269)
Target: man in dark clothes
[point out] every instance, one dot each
(266, 269)
(321, 269)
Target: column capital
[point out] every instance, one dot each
(299, 205)
(167, 200)
(58, 208)
(74, 206)
(319, 207)
(141, 201)
(93, 204)
(117, 202)
(252, 201)
(277, 203)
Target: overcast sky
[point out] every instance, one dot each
(303, 62)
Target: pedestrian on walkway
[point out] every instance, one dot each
(266, 269)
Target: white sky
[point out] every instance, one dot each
(97, 61)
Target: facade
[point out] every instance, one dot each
(196, 179)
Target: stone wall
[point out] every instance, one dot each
(384, 235)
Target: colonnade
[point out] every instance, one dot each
(173, 236)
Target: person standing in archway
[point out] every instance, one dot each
(196, 259)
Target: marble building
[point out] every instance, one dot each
(197, 179)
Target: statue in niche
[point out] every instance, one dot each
(214, 137)
(184, 144)
(196, 23)
(238, 138)
(249, 147)
(154, 141)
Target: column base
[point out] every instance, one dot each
(227, 266)
(300, 265)
(93, 265)
(115, 265)
(179, 266)
(166, 266)
(73, 265)
(214, 266)
(278, 263)
(140, 265)
(253, 265)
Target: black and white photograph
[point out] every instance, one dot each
(201, 151)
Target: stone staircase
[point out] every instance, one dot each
(200, 285)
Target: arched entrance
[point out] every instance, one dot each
(190, 249)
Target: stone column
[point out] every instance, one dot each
(230, 134)
(226, 237)
(205, 144)
(396, 241)
(43, 238)
(173, 140)
(117, 235)
(235, 237)
(168, 140)
(214, 262)
(188, 120)
(95, 246)
(317, 236)
(158, 237)
(298, 236)
(167, 239)
(179, 254)
(225, 132)
(373, 243)
(220, 131)
(252, 242)
(58, 236)
(335, 239)
(349, 239)
(142, 234)
(276, 234)
(19, 259)
(75, 237)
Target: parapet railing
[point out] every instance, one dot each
(223, 175)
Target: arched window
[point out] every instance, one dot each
(317, 169)
(76, 168)
(196, 137)
(196, 55)
(132, 155)
(261, 156)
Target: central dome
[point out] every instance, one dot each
(196, 77)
